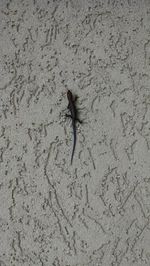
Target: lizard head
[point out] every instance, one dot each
(69, 95)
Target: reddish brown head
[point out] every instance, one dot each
(69, 95)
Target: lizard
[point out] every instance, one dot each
(73, 115)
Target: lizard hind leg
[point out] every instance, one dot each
(77, 119)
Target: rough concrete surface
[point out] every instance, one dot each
(96, 211)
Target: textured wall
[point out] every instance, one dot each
(97, 211)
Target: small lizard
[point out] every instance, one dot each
(73, 111)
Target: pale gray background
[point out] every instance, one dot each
(97, 211)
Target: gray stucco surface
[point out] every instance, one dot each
(97, 211)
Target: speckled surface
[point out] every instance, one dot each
(97, 211)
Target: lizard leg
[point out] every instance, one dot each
(76, 98)
(68, 116)
(77, 119)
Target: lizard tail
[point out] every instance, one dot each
(74, 142)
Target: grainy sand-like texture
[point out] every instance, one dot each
(95, 212)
